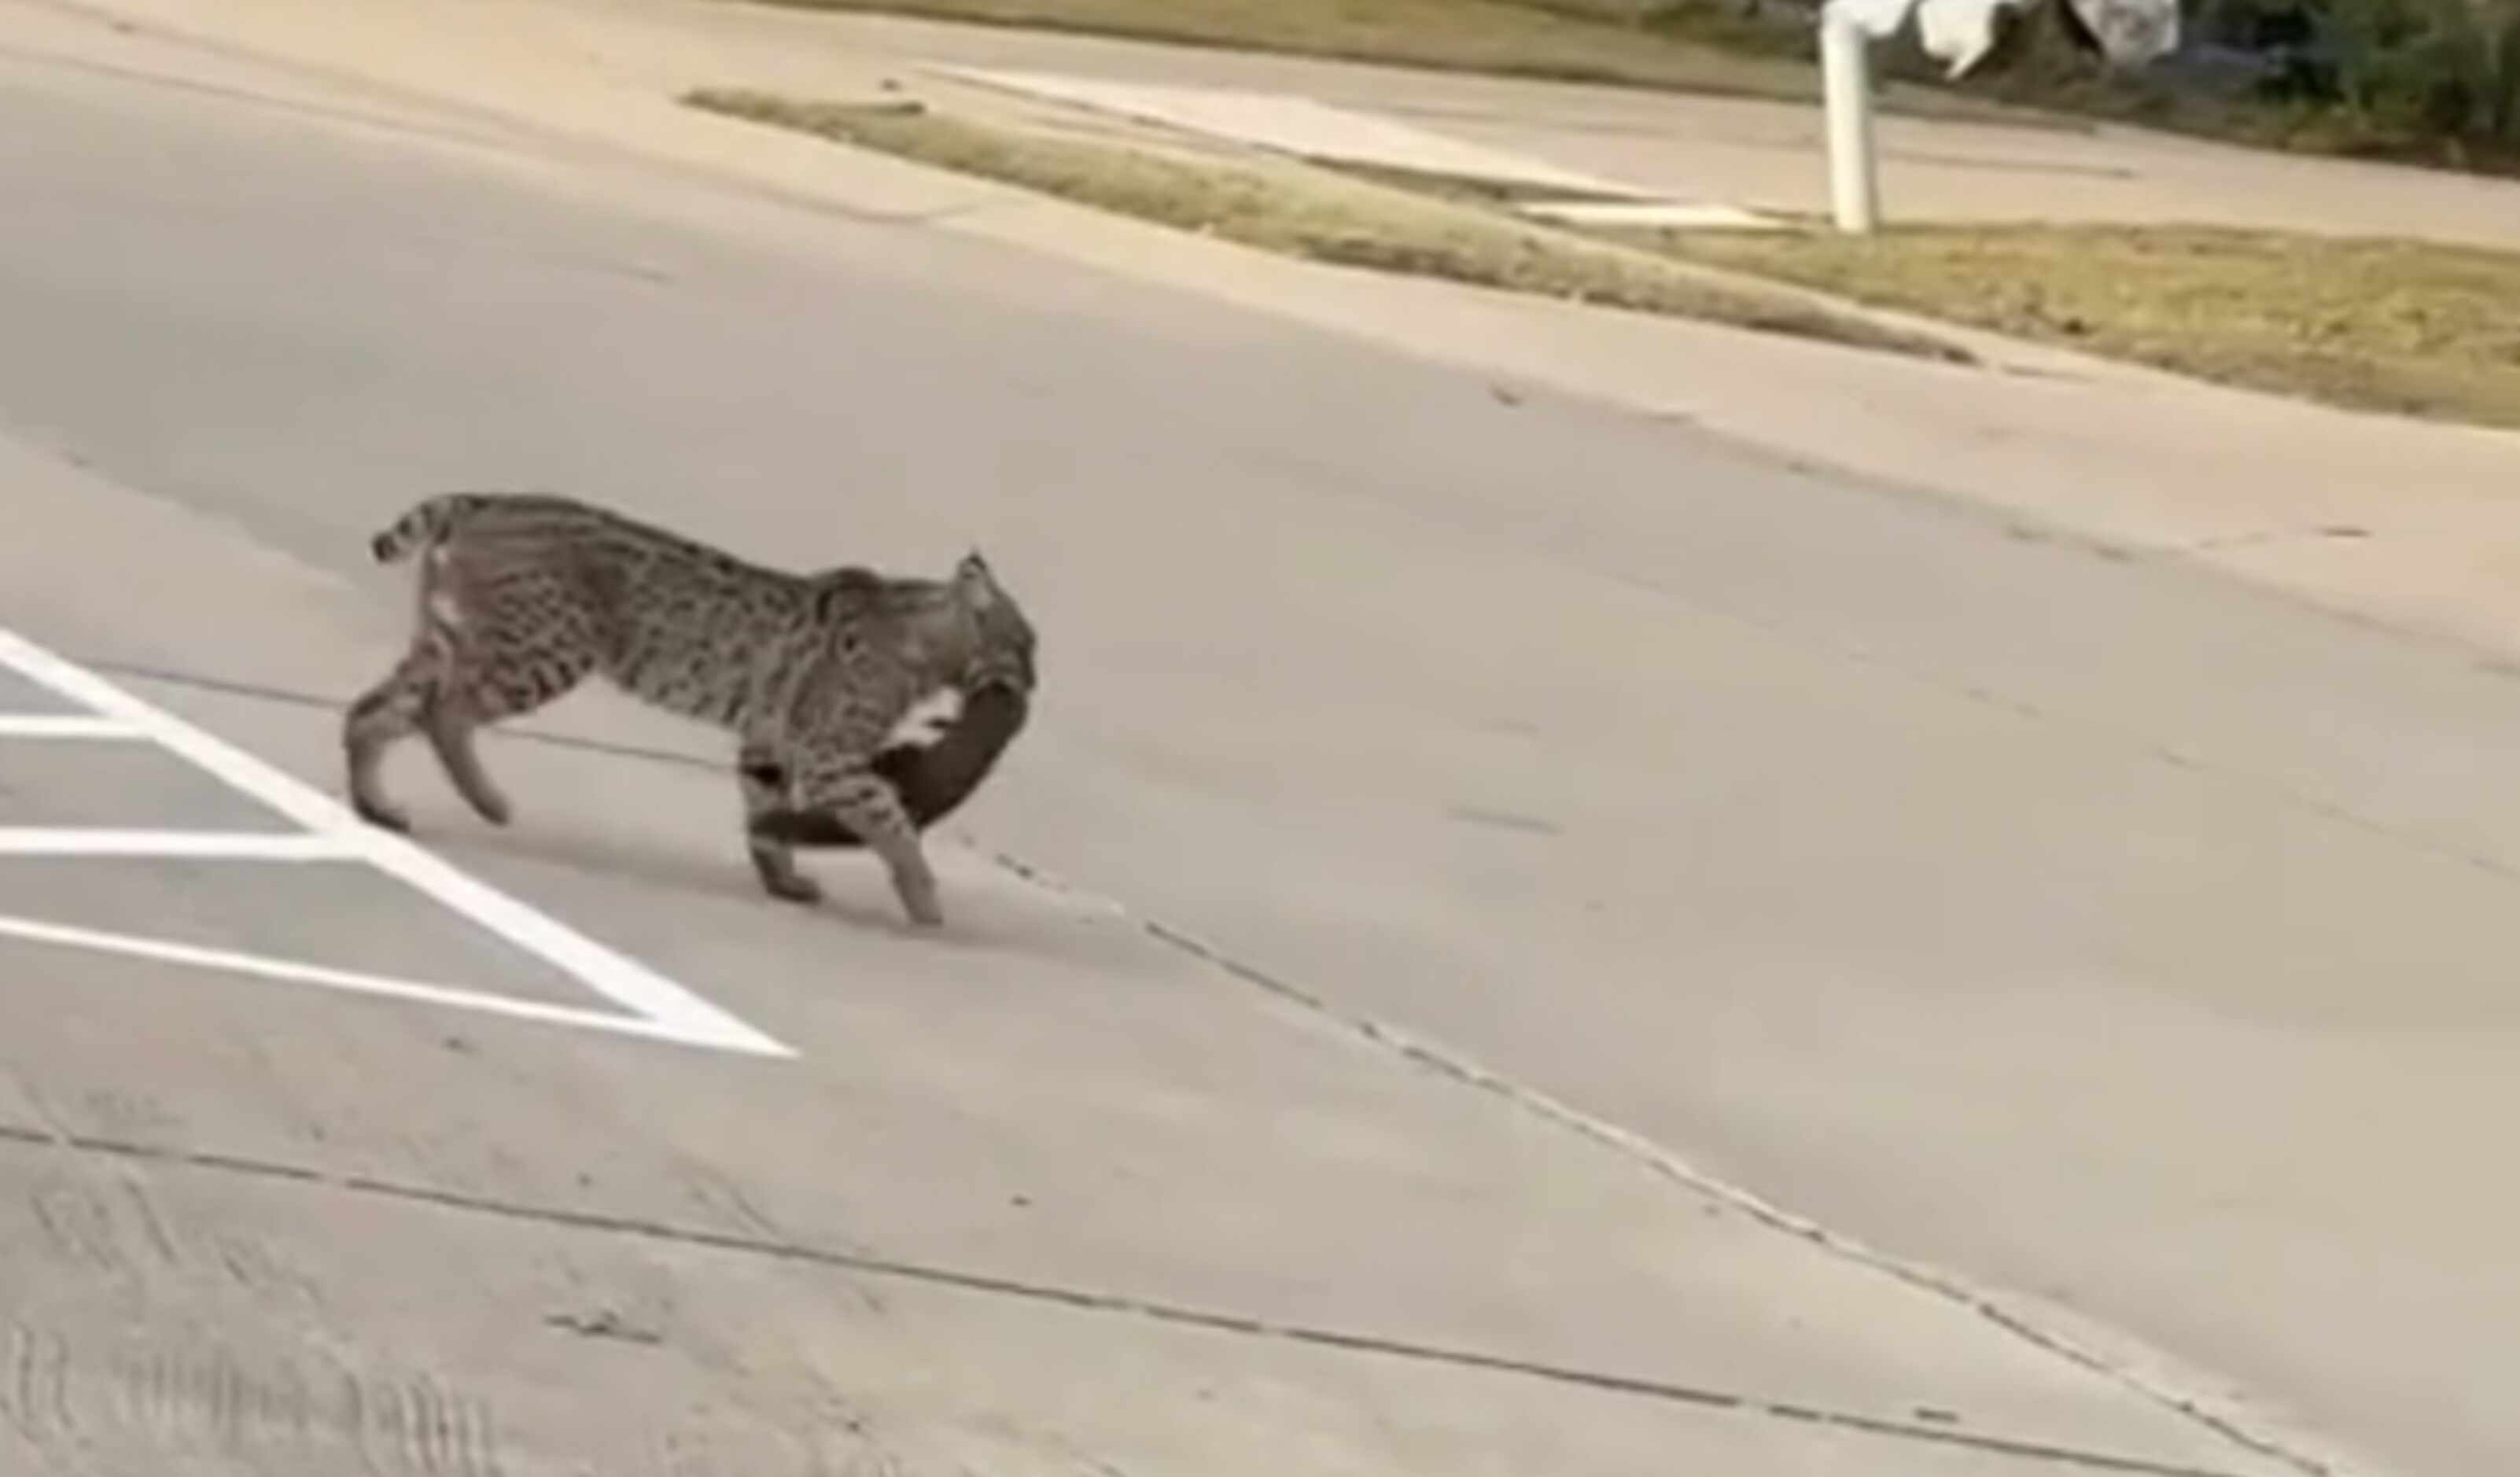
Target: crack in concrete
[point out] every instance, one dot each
(1640, 1149)
(1089, 1300)
(2259, 538)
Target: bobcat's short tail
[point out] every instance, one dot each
(427, 521)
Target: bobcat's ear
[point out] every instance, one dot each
(973, 579)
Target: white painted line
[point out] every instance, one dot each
(227, 961)
(670, 1011)
(219, 845)
(64, 726)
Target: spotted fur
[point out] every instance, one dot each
(822, 677)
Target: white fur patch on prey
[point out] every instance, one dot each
(926, 721)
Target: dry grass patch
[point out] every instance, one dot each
(1298, 211)
(2398, 326)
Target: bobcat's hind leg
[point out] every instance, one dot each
(479, 691)
(389, 712)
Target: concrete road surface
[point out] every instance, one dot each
(1523, 940)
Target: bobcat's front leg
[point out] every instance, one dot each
(766, 778)
(849, 789)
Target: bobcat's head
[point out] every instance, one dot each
(1003, 647)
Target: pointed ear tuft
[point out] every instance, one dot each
(974, 578)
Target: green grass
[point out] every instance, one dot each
(1302, 212)
(2404, 326)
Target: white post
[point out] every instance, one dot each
(1846, 89)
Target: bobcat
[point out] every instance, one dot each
(522, 596)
